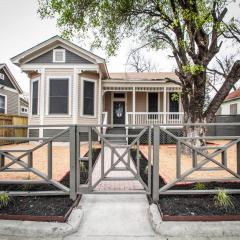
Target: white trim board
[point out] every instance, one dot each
(5, 103)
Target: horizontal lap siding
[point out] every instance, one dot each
(70, 57)
(12, 101)
(141, 102)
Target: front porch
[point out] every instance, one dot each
(141, 105)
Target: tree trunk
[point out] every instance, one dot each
(193, 96)
(193, 133)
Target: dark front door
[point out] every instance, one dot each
(152, 102)
(118, 112)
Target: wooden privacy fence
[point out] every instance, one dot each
(11, 132)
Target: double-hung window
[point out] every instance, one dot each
(88, 98)
(59, 96)
(2, 104)
(35, 87)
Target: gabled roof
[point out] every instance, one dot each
(233, 95)
(144, 76)
(11, 77)
(54, 41)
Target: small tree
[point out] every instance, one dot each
(194, 30)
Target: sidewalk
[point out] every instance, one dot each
(115, 216)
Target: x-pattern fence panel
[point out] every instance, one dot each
(119, 159)
(8, 154)
(197, 165)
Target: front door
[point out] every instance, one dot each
(119, 112)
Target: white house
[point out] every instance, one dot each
(69, 85)
(231, 105)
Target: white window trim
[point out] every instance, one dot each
(54, 55)
(69, 96)
(5, 96)
(37, 79)
(2, 76)
(25, 108)
(82, 98)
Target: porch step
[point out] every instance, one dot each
(113, 135)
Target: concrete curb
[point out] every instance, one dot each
(192, 229)
(42, 229)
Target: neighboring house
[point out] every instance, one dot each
(9, 92)
(23, 107)
(70, 85)
(231, 105)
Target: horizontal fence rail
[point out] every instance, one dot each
(200, 155)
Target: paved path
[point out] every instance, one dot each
(114, 217)
(115, 185)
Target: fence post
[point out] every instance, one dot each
(156, 150)
(178, 160)
(73, 159)
(2, 160)
(238, 158)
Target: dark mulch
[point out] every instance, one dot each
(190, 205)
(40, 205)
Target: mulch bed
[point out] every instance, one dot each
(192, 207)
(41, 208)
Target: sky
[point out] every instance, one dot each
(21, 28)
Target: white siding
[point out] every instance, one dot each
(225, 107)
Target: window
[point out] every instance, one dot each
(2, 76)
(88, 98)
(173, 102)
(35, 98)
(59, 55)
(24, 110)
(153, 102)
(58, 95)
(2, 104)
(233, 109)
(119, 95)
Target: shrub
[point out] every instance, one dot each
(4, 199)
(222, 199)
(83, 167)
(199, 186)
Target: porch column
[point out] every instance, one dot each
(164, 105)
(100, 97)
(75, 96)
(41, 100)
(134, 104)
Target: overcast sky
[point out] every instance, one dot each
(21, 28)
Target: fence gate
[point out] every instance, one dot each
(118, 168)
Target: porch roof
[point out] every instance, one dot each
(144, 76)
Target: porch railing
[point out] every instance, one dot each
(154, 118)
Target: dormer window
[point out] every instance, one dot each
(59, 55)
(1, 76)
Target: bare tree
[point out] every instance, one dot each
(139, 63)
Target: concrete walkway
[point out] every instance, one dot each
(115, 216)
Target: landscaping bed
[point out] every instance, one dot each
(40, 208)
(194, 207)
